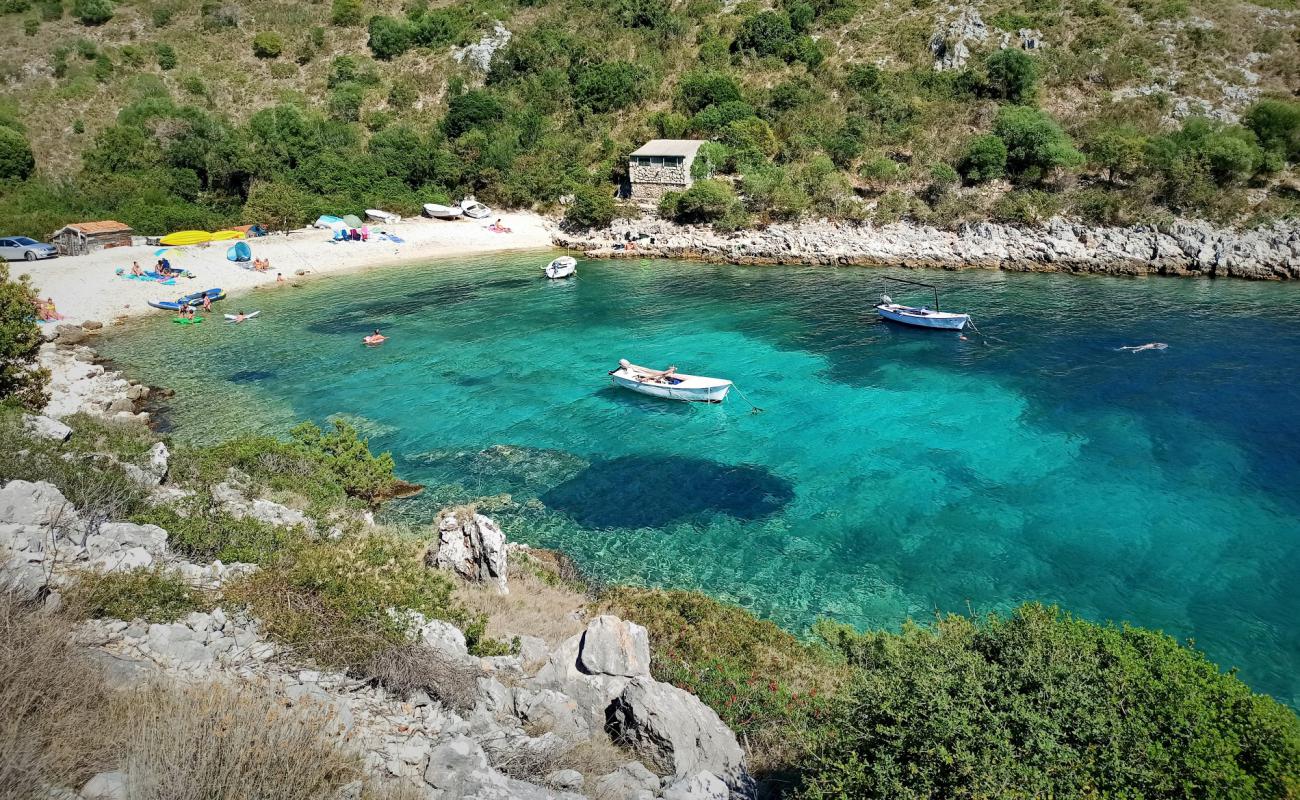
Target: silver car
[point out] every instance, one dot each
(14, 248)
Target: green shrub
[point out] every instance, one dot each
(345, 102)
(700, 89)
(16, 159)
(346, 457)
(51, 10)
(1040, 704)
(103, 68)
(1025, 207)
(1276, 123)
(1011, 75)
(707, 201)
(592, 207)
(194, 85)
(92, 12)
(1117, 151)
(268, 44)
(608, 86)
(765, 34)
(149, 593)
(162, 16)
(389, 37)
(201, 530)
(1035, 143)
(710, 159)
(474, 109)
(78, 126)
(985, 159)
(750, 139)
(14, 6)
(31, 27)
(166, 56)
(20, 336)
(346, 13)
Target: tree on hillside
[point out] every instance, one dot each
(985, 159)
(1277, 125)
(1040, 704)
(592, 207)
(1012, 76)
(1035, 143)
(16, 159)
(1118, 151)
(20, 341)
(280, 206)
(92, 12)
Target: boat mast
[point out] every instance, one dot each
(930, 286)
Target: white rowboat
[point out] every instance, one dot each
(669, 383)
(921, 317)
(562, 267)
(474, 209)
(438, 211)
(379, 215)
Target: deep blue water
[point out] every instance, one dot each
(892, 473)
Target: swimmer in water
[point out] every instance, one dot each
(1138, 348)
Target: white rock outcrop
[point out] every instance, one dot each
(472, 546)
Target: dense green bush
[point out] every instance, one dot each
(93, 12)
(268, 44)
(1035, 143)
(346, 13)
(166, 56)
(16, 159)
(985, 159)
(707, 201)
(592, 207)
(20, 339)
(1276, 123)
(474, 109)
(608, 86)
(149, 593)
(1012, 75)
(344, 455)
(700, 89)
(1118, 151)
(389, 37)
(1040, 704)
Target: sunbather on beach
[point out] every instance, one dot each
(136, 269)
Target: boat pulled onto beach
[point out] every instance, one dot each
(669, 383)
(185, 301)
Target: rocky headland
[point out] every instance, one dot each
(1183, 248)
(500, 727)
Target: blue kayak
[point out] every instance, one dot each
(195, 299)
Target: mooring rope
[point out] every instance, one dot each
(753, 409)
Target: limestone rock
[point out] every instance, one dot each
(46, 428)
(565, 779)
(71, 334)
(611, 646)
(445, 638)
(472, 546)
(632, 780)
(700, 786)
(563, 673)
(455, 765)
(678, 730)
(552, 711)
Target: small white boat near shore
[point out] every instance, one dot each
(379, 215)
(474, 209)
(669, 383)
(920, 316)
(439, 211)
(562, 267)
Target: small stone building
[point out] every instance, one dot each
(660, 166)
(80, 238)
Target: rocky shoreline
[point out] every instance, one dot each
(1183, 248)
(499, 729)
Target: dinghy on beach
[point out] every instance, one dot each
(184, 301)
(379, 215)
(562, 267)
(920, 316)
(474, 209)
(669, 383)
(439, 211)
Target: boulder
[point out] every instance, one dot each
(565, 779)
(611, 646)
(46, 428)
(92, 325)
(40, 503)
(700, 786)
(445, 638)
(472, 546)
(677, 730)
(456, 766)
(563, 673)
(552, 711)
(632, 780)
(70, 334)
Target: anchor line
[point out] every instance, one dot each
(753, 409)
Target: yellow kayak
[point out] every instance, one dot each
(221, 236)
(186, 237)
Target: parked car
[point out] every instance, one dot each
(21, 247)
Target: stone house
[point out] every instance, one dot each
(660, 166)
(80, 238)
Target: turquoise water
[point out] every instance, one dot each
(893, 471)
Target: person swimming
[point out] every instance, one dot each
(375, 338)
(1138, 348)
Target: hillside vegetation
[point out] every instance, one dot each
(170, 114)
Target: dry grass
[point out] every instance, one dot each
(51, 700)
(534, 607)
(199, 742)
(408, 668)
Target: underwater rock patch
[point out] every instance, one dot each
(649, 491)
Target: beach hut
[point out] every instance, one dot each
(661, 166)
(80, 238)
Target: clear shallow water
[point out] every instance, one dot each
(894, 471)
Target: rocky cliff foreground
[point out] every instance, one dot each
(496, 728)
(1183, 248)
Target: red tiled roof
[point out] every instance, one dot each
(106, 226)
